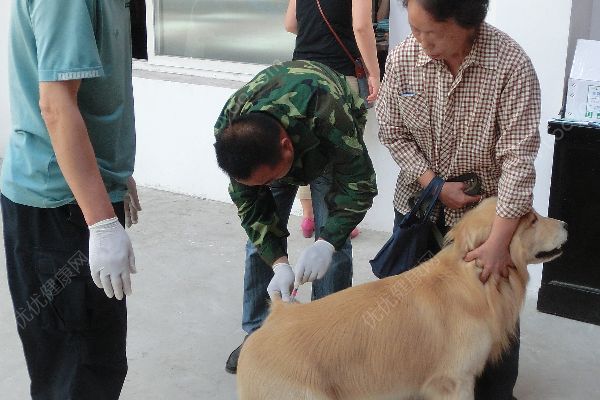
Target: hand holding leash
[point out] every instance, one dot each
(462, 190)
(454, 195)
(314, 262)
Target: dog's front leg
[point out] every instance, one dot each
(450, 388)
(465, 390)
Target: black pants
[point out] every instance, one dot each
(73, 335)
(497, 380)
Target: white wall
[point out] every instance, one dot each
(175, 137)
(543, 31)
(4, 107)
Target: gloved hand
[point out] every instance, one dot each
(111, 257)
(314, 262)
(282, 282)
(131, 203)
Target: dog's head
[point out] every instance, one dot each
(537, 239)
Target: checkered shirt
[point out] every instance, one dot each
(485, 120)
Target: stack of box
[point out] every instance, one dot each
(583, 93)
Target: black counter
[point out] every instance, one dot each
(571, 283)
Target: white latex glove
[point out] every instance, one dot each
(111, 258)
(131, 203)
(314, 262)
(282, 283)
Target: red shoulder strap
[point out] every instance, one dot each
(333, 32)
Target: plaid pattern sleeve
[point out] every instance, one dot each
(517, 147)
(485, 120)
(392, 132)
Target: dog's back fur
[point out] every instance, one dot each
(427, 332)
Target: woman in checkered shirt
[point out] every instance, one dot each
(461, 96)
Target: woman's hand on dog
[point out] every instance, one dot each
(453, 195)
(493, 256)
(493, 259)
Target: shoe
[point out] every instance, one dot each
(232, 361)
(308, 227)
(355, 232)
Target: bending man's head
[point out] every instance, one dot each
(254, 150)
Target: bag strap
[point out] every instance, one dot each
(431, 193)
(335, 35)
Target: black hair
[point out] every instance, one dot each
(466, 13)
(248, 142)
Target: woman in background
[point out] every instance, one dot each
(352, 20)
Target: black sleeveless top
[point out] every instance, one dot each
(315, 42)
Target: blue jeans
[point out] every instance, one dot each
(258, 274)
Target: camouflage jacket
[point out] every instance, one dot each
(325, 121)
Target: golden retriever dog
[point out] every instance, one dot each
(424, 334)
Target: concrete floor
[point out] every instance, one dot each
(184, 316)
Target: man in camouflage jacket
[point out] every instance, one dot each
(317, 123)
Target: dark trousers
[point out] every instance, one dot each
(497, 380)
(73, 336)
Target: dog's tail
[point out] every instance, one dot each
(277, 302)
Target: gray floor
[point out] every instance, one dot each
(185, 311)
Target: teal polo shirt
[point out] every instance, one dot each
(59, 40)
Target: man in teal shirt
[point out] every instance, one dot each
(64, 180)
(295, 123)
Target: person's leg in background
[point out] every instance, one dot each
(308, 219)
(339, 275)
(74, 337)
(498, 380)
(257, 275)
(353, 83)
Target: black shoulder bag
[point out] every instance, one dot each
(415, 240)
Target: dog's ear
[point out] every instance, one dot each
(474, 228)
